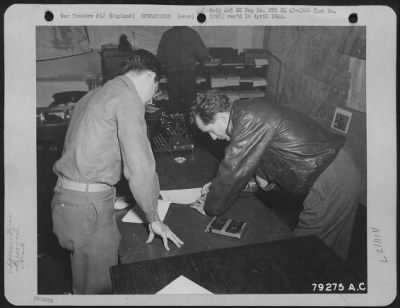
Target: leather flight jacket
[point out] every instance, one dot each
(281, 145)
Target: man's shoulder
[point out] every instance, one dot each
(254, 105)
(258, 110)
(119, 85)
(181, 30)
(115, 93)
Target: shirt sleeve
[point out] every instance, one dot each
(138, 160)
(248, 142)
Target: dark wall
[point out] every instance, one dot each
(313, 76)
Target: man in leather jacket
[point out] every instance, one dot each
(282, 147)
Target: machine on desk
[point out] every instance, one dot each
(52, 121)
(60, 110)
(173, 134)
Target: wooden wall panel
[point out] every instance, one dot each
(315, 76)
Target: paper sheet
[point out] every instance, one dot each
(183, 285)
(183, 196)
(136, 215)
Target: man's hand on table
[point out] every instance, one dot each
(264, 184)
(205, 189)
(161, 229)
(198, 205)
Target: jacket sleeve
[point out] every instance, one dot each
(248, 142)
(139, 164)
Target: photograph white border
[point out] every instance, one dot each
(20, 216)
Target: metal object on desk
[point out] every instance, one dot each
(173, 134)
(66, 97)
(57, 114)
(180, 159)
(60, 110)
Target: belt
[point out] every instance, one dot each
(85, 187)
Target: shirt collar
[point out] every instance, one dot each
(125, 79)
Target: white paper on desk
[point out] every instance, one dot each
(182, 196)
(136, 215)
(183, 285)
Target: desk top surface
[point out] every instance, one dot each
(188, 224)
(289, 266)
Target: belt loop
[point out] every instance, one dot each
(87, 187)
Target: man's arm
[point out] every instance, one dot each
(139, 164)
(248, 142)
(139, 168)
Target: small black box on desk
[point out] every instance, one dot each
(226, 226)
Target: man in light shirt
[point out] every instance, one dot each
(107, 136)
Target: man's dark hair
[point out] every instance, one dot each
(142, 60)
(207, 105)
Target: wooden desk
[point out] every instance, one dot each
(288, 266)
(188, 224)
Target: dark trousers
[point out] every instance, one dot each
(181, 89)
(331, 204)
(84, 223)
